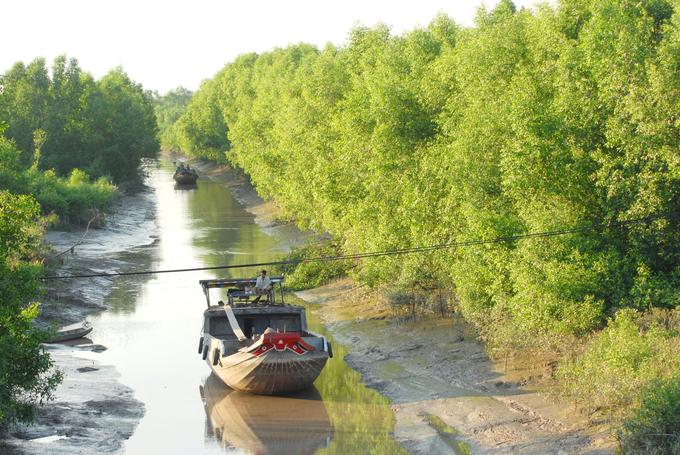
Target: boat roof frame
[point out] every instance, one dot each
(217, 283)
(226, 282)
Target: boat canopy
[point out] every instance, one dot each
(241, 289)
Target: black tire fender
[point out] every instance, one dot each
(330, 349)
(216, 356)
(205, 351)
(200, 345)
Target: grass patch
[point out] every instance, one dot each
(654, 426)
(616, 366)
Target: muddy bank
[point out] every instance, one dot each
(83, 252)
(449, 397)
(92, 412)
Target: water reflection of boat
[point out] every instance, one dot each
(186, 186)
(257, 344)
(290, 425)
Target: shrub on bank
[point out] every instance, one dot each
(654, 427)
(26, 374)
(69, 198)
(66, 197)
(617, 364)
(410, 304)
(406, 303)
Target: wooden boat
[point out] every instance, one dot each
(289, 425)
(258, 344)
(185, 176)
(71, 334)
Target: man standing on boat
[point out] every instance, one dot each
(262, 286)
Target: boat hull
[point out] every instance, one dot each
(68, 335)
(273, 372)
(185, 177)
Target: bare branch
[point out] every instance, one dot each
(96, 214)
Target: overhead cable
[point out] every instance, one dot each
(389, 252)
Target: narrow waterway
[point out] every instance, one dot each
(152, 333)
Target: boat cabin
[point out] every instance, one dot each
(254, 321)
(247, 315)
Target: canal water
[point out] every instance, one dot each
(152, 334)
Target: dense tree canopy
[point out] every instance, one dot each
(67, 120)
(169, 108)
(528, 121)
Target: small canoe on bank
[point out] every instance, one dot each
(185, 177)
(71, 334)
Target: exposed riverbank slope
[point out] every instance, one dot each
(448, 395)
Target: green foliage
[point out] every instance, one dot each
(11, 169)
(201, 131)
(69, 120)
(306, 275)
(169, 108)
(69, 198)
(631, 353)
(66, 197)
(26, 375)
(124, 128)
(65, 128)
(529, 121)
(654, 427)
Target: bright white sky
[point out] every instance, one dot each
(165, 44)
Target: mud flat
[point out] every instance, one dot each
(93, 412)
(448, 396)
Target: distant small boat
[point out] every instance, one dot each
(185, 177)
(71, 334)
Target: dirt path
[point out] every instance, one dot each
(449, 397)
